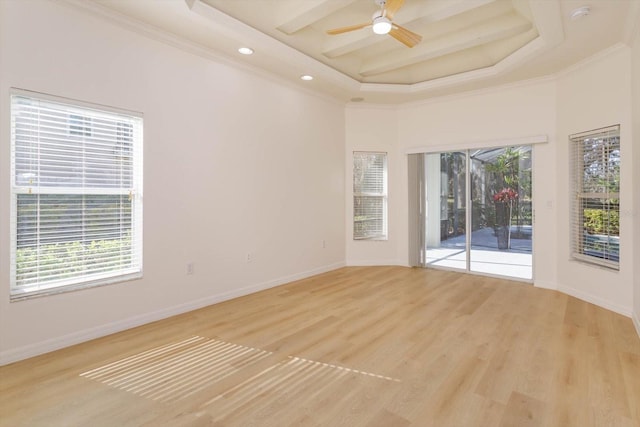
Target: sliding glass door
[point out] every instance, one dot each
(446, 202)
(478, 211)
(501, 201)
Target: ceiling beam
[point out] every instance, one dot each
(431, 11)
(308, 12)
(547, 16)
(492, 30)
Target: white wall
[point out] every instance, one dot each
(487, 116)
(591, 96)
(237, 163)
(635, 76)
(375, 129)
(234, 163)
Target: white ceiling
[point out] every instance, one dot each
(466, 44)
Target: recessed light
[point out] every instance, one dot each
(306, 77)
(580, 12)
(245, 50)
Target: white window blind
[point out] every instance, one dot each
(76, 217)
(596, 196)
(369, 196)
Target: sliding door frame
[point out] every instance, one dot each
(416, 191)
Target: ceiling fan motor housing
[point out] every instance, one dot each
(381, 25)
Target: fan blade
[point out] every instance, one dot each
(347, 29)
(408, 38)
(391, 7)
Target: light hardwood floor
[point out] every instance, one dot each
(359, 346)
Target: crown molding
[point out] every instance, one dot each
(188, 46)
(590, 60)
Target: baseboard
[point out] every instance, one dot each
(31, 350)
(545, 285)
(376, 263)
(636, 322)
(625, 311)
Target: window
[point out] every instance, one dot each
(79, 125)
(596, 196)
(369, 196)
(76, 188)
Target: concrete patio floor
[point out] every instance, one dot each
(485, 255)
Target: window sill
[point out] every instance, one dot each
(21, 295)
(598, 263)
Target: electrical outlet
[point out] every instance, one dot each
(324, 244)
(249, 257)
(190, 268)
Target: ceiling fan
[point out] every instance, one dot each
(382, 23)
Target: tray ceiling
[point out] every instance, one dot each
(466, 44)
(458, 35)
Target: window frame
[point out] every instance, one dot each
(86, 192)
(584, 248)
(383, 235)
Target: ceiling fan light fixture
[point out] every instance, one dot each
(381, 25)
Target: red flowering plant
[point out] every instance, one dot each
(505, 195)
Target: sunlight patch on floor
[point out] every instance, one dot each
(288, 380)
(177, 370)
